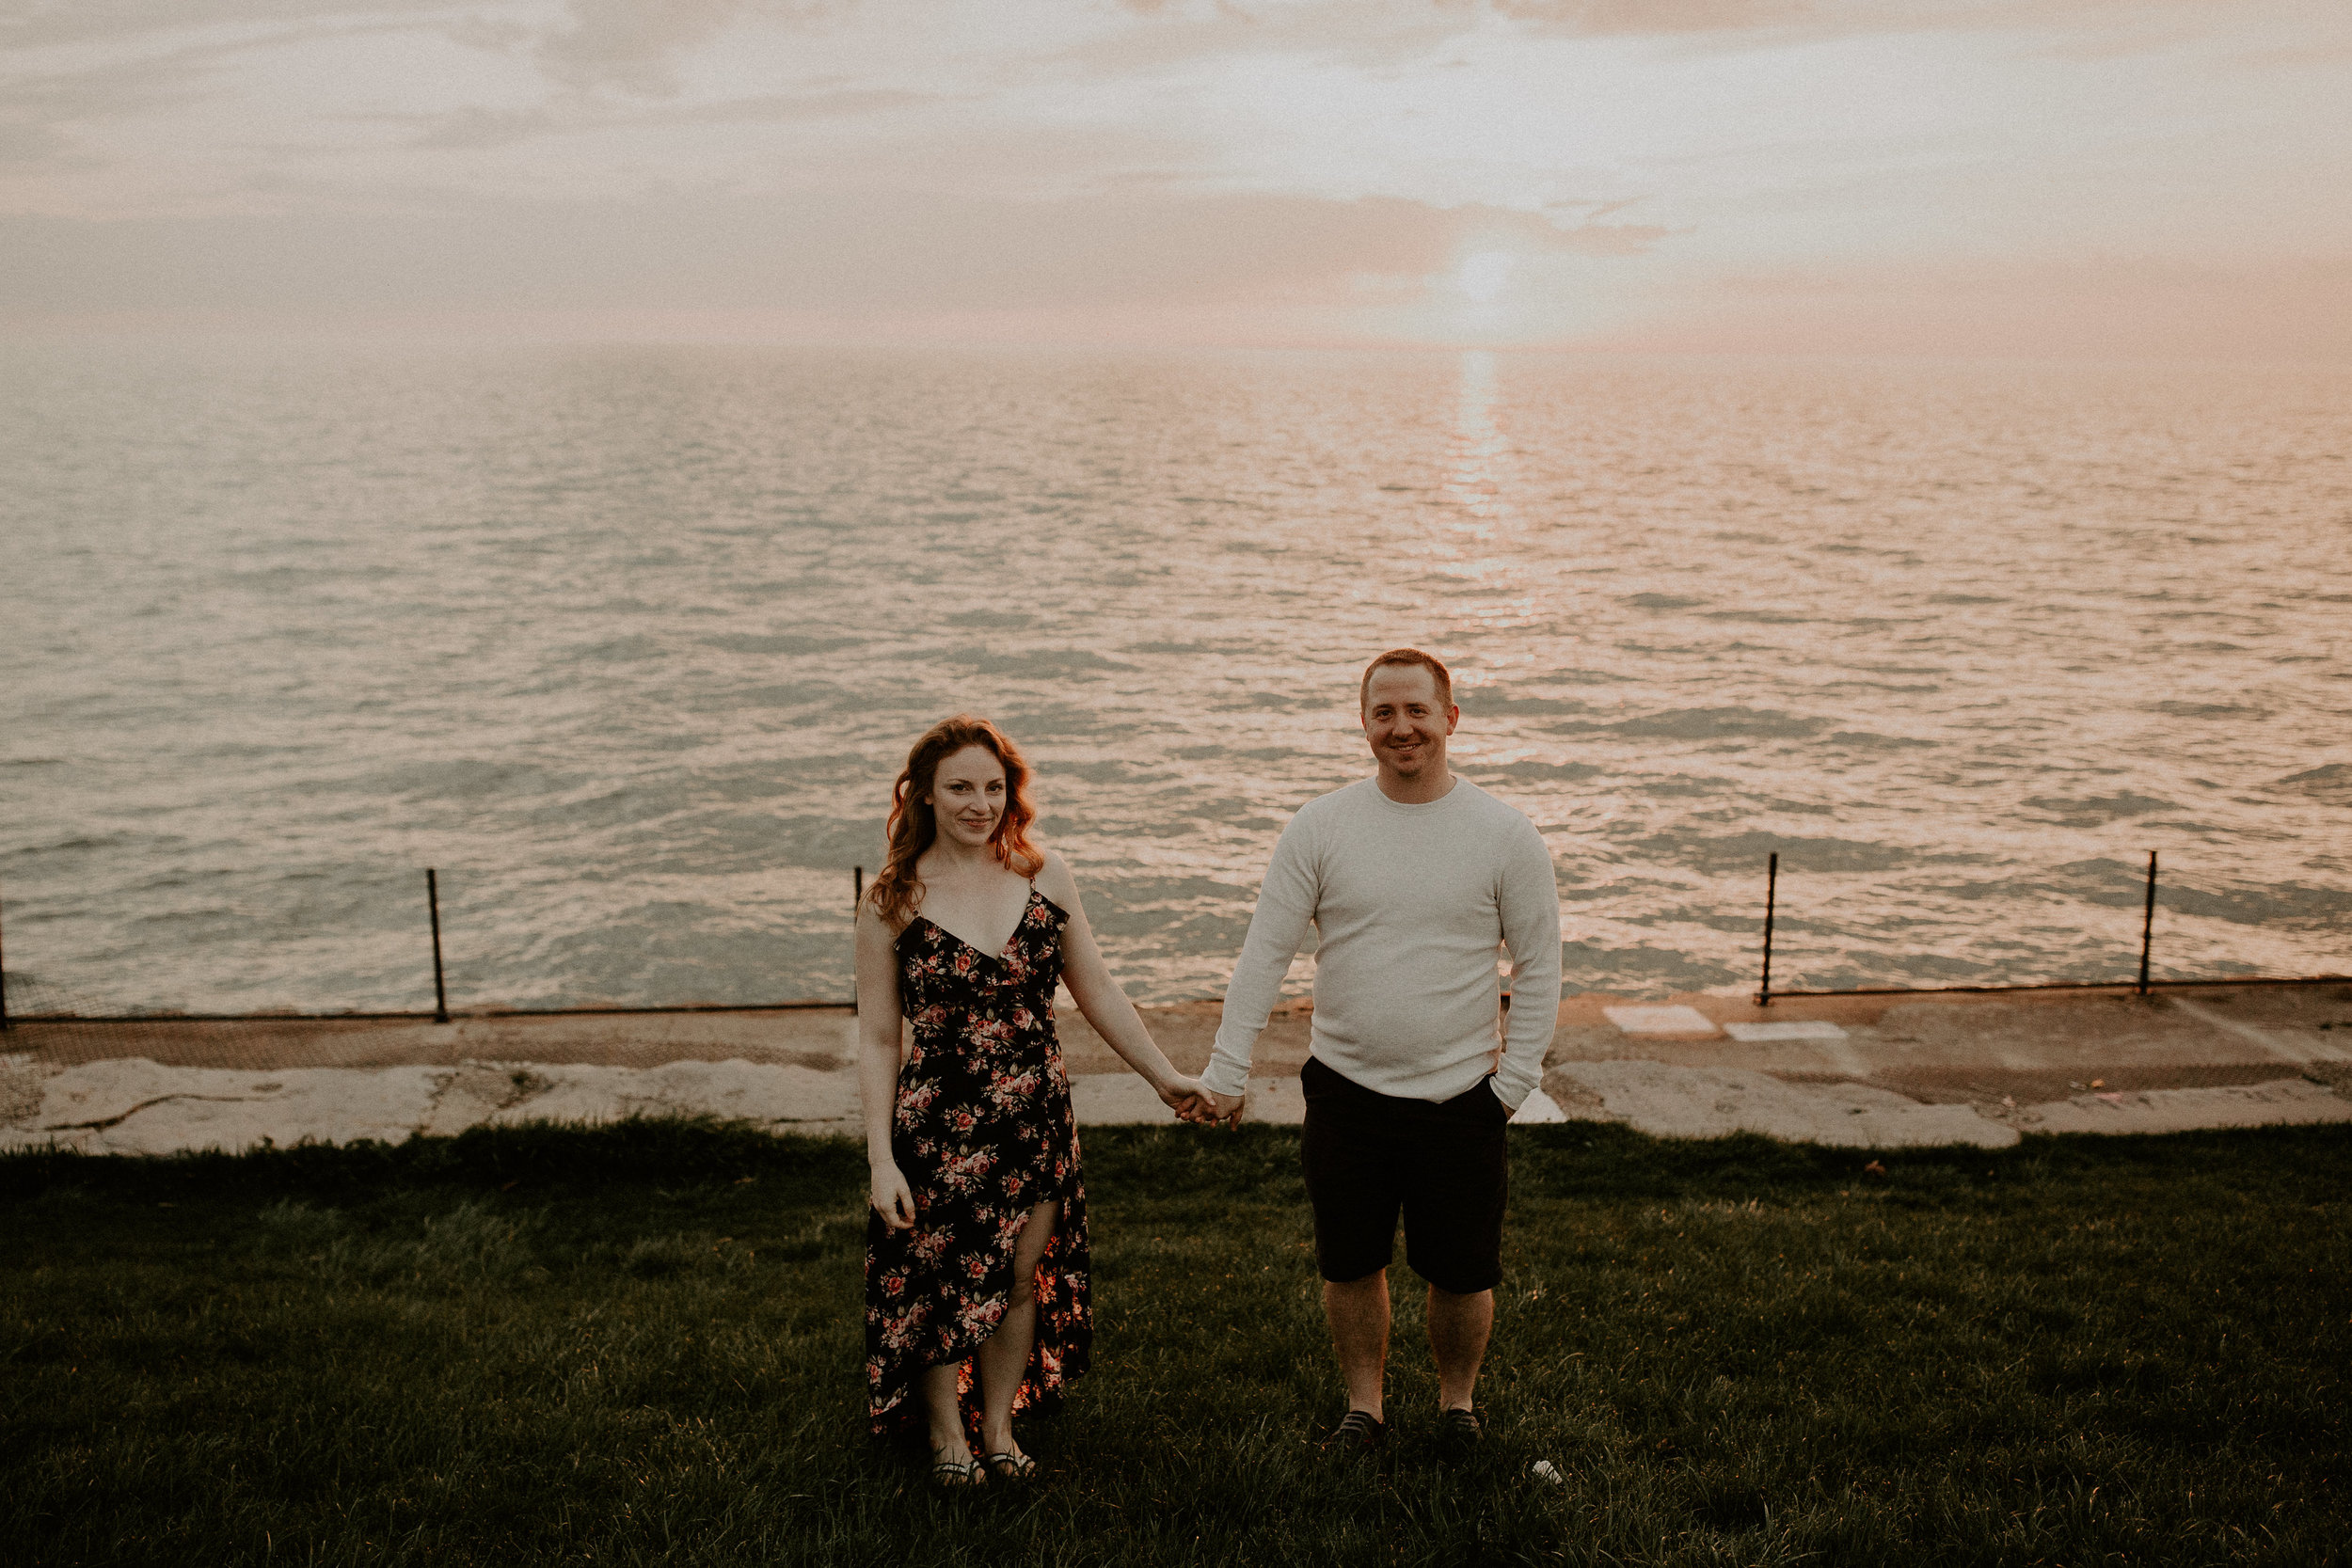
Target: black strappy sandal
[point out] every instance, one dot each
(953, 1475)
(1012, 1466)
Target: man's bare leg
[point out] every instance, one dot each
(1459, 1330)
(1006, 1355)
(1358, 1312)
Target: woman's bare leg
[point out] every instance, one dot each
(946, 1412)
(1006, 1355)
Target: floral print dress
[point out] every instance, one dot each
(983, 1134)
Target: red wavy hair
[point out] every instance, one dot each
(897, 892)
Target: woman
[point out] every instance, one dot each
(976, 1252)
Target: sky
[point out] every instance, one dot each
(2166, 179)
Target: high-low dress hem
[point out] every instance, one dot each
(982, 1130)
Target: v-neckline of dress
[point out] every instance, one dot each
(999, 957)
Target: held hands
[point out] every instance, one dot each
(891, 1197)
(1187, 1099)
(1192, 1102)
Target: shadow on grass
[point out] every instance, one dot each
(643, 1341)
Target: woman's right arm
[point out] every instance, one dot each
(877, 1031)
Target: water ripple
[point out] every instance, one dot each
(628, 641)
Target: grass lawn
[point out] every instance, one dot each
(644, 1343)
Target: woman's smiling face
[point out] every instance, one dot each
(968, 795)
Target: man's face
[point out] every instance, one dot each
(1403, 721)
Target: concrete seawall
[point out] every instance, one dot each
(1876, 1072)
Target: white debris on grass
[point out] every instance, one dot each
(1676, 1020)
(1793, 1029)
(1712, 1102)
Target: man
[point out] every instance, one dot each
(1411, 878)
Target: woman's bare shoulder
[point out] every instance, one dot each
(1054, 879)
(871, 919)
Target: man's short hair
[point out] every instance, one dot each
(1407, 655)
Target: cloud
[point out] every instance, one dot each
(2123, 307)
(474, 127)
(1155, 265)
(1656, 16)
(155, 81)
(35, 24)
(853, 252)
(127, 86)
(1217, 21)
(2150, 21)
(987, 158)
(1612, 239)
(1381, 37)
(629, 44)
(633, 44)
(40, 108)
(1371, 35)
(22, 144)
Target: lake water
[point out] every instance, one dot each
(629, 642)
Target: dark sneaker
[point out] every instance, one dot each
(1362, 1433)
(1458, 1433)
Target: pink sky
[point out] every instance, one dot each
(2133, 179)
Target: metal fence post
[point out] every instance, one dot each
(857, 902)
(432, 902)
(1772, 893)
(2148, 923)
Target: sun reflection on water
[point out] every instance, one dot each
(1476, 538)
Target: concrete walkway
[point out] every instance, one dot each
(1848, 1071)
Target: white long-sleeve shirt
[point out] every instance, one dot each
(1409, 903)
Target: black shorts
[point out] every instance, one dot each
(1445, 1167)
